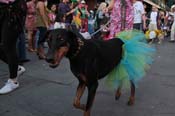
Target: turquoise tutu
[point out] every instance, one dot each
(137, 58)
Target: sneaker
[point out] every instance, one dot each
(160, 42)
(9, 87)
(21, 70)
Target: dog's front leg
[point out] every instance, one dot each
(79, 93)
(92, 87)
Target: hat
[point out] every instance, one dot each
(173, 6)
(83, 2)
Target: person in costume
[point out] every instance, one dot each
(84, 16)
(121, 17)
(80, 16)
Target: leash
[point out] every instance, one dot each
(100, 28)
(123, 13)
(70, 26)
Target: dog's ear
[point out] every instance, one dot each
(71, 34)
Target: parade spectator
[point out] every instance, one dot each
(154, 29)
(31, 25)
(100, 15)
(167, 14)
(91, 22)
(12, 17)
(42, 24)
(121, 16)
(65, 9)
(172, 39)
(52, 15)
(139, 15)
(82, 7)
(60, 21)
(153, 19)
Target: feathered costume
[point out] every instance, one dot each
(153, 34)
(137, 56)
(76, 18)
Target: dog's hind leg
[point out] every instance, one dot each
(132, 97)
(118, 93)
(80, 90)
(92, 87)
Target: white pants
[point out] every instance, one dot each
(152, 27)
(173, 31)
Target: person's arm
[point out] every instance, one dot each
(111, 4)
(42, 12)
(143, 15)
(144, 21)
(71, 11)
(110, 7)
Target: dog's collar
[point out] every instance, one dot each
(80, 45)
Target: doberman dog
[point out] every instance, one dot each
(90, 60)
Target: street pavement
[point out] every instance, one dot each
(50, 92)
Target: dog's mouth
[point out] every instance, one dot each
(59, 54)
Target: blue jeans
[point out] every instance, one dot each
(41, 39)
(21, 47)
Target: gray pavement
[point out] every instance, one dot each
(50, 92)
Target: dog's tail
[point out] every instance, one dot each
(137, 58)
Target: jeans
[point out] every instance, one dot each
(21, 47)
(41, 39)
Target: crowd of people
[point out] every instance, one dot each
(34, 17)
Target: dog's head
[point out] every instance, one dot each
(58, 46)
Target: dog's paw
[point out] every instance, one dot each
(130, 102)
(117, 96)
(80, 106)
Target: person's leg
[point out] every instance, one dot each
(41, 40)
(137, 26)
(173, 32)
(30, 41)
(34, 40)
(9, 38)
(10, 29)
(21, 47)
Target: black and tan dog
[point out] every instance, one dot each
(90, 60)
